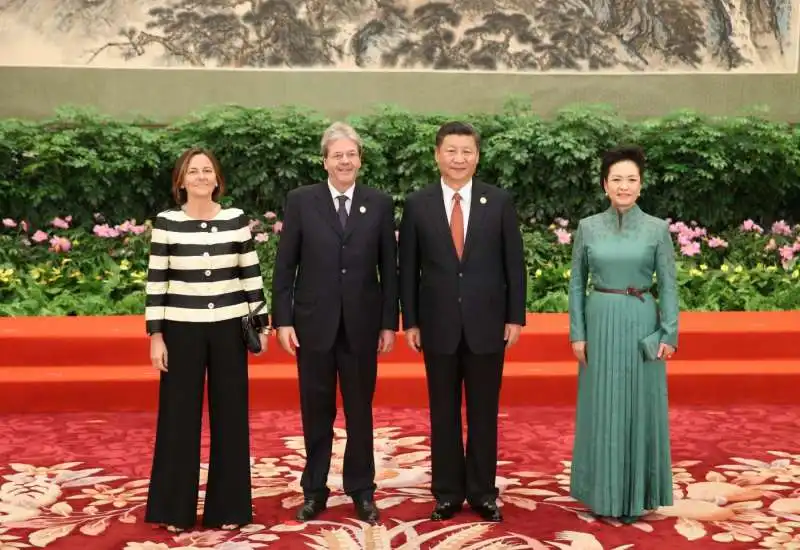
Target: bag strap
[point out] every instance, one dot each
(259, 308)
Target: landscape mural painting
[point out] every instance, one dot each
(633, 36)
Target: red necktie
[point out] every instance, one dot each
(457, 225)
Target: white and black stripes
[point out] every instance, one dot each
(202, 271)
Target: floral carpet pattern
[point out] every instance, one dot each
(79, 481)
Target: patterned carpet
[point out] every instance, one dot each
(79, 481)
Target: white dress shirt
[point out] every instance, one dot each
(466, 197)
(348, 193)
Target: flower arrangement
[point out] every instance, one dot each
(60, 269)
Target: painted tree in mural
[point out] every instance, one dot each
(550, 34)
(537, 35)
(235, 33)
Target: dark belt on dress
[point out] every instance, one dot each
(630, 291)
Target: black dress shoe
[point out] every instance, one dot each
(310, 509)
(488, 510)
(445, 510)
(367, 511)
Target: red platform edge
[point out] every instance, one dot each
(54, 364)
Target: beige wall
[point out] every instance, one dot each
(165, 94)
(165, 58)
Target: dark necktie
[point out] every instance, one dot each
(342, 210)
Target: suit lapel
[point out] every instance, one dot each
(358, 210)
(324, 204)
(477, 209)
(438, 215)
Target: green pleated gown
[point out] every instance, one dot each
(621, 465)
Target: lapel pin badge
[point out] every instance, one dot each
(362, 209)
(483, 200)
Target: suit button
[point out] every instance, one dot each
(208, 273)
(344, 271)
(213, 229)
(459, 299)
(460, 274)
(210, 306)
(204, 225)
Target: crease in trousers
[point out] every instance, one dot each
(356, 371)
(457, 475)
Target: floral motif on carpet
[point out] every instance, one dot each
(746, 502)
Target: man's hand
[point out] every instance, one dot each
(512, 333)
(287, 338)
(385, 341)
(414, 339)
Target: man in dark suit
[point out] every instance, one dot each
(462, 292)
(335, 306)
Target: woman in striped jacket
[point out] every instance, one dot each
(203, 277)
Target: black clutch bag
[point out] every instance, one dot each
(252, 337)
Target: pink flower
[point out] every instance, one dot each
(787, 253)
(39, 237)
(24, 225)
(277, 227)
(129, 226)
(60, 244)
(684, 239)
(691, 249)
(561, 222)
(677, 227)
(564, 236)
(771, 245)
(716, 242)
(105, 231)
(8, 222)
(270, 215)
(686, 233)
(60, 223)
(781, 228)
(751, 226)
(253, 224)
(261, 238)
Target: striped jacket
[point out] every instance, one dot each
(202, 271)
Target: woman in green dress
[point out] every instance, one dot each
(621, 335)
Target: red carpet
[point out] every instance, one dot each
(78, 481)
(101, 363)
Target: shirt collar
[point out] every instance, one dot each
(465, 192)
(335, 192)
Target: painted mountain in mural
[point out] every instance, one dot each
(493, 35)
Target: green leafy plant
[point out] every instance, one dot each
(715, 170)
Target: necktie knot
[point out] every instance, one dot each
(342, 199)
(457, 198)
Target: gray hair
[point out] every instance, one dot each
(339, 130)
